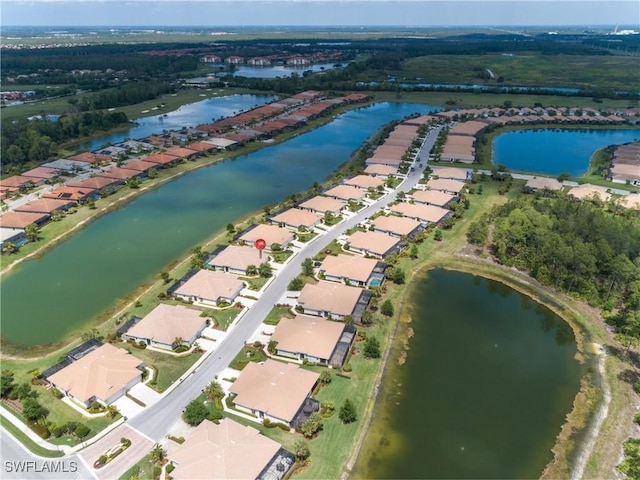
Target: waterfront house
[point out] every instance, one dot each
(543, 183)
(273, 390)
(331, 300)
(103, 375)
(165, 323)
(351, 269)
(347, 193)
(235, 259)
(364, 182)
(313, 339)
(374, 244)
(423, 213)
(588, 191)
(220, 143)
(226, 451)
(183, 153)
(396, 226)
(20, 220)
(271, 234)
(119, 173)
(100, 185)
(45, 205)
(234, 60)
(380, 170)
(140, 166)
(210, 59)
(323, 205)
(162, 159)
(77, 194)
(295, 218)
(209, 287)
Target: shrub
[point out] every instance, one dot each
(372, 348)
(387, 308)
(347, 412)
(57, 393)
(57, 431)
(82, 431)
(347, 367)
(169, 468)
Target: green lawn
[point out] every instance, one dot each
(248, 354)
(143, 470)
(276, 314)
(255, 283)
(224, 318)
(306, 236)
(281, 256)
(27, 442)
(169, 367)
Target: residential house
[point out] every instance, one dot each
(423, 213)
(351, 270)
(103, 375)
(434, 197)
(382, 171)
(588, 191)
(543, 183)
(331, 300)
(226, 451)
(20, 220)
(312, 338)
(45, 205)
(454, 187)
(323, 205)
(295, 218)
(207, 286)
(374, 244)
(364, 182)
(452, 173)
(396, 226)
(347, 193)
(271, 234)
(236, 259)
(77, 194)
(273, 390)
(166, 323)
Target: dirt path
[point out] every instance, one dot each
(599, 418)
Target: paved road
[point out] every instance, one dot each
(155, 421)
(20, 464)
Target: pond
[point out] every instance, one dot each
(554, 151)
(488, 380)
(189, 115)
(46, 298)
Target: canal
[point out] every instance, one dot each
(488, 380)
(45, 299)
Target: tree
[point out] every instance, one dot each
(307, 267)
(437, 236)
(387, 308)
(325, 377)
(6, 382)
(347, 412)
(413, 252)
(265, 270)
(32, 410)
(23, 391)
(398, 276)
(371, 347)
(195, 413)
(296, 284)
(177, 343)
(252, 270)
(112, 411)
(214, 391)
(312, 425)
(157, 453)
(231, 229)
(82, 431)
(301, 450)
(90, 334)
(32, 232)
(165, 277)
(627, 341)
(367, 317)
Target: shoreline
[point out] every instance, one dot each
(571, 311)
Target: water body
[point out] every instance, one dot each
(275, 71)
(189, 115)
(476, 87)
(46, 298)
(553, 151)
(488, 380)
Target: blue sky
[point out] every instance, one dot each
(213, 13)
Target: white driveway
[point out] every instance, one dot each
(146, 395)
(127, 407)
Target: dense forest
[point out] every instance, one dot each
(579, 248)
(29, 142)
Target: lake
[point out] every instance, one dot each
(189, 115)
(46, 298)
(554, 151)
(488, 380)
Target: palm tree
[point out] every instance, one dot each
(157, 453)
(214, 390)
(112, 411)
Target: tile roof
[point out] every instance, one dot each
(312, 336)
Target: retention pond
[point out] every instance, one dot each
(488, 379)
(45, 299)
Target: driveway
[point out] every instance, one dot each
(127, 407)
(145, 394)
(139, 447)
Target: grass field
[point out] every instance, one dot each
(26, 441)
(527, 69)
